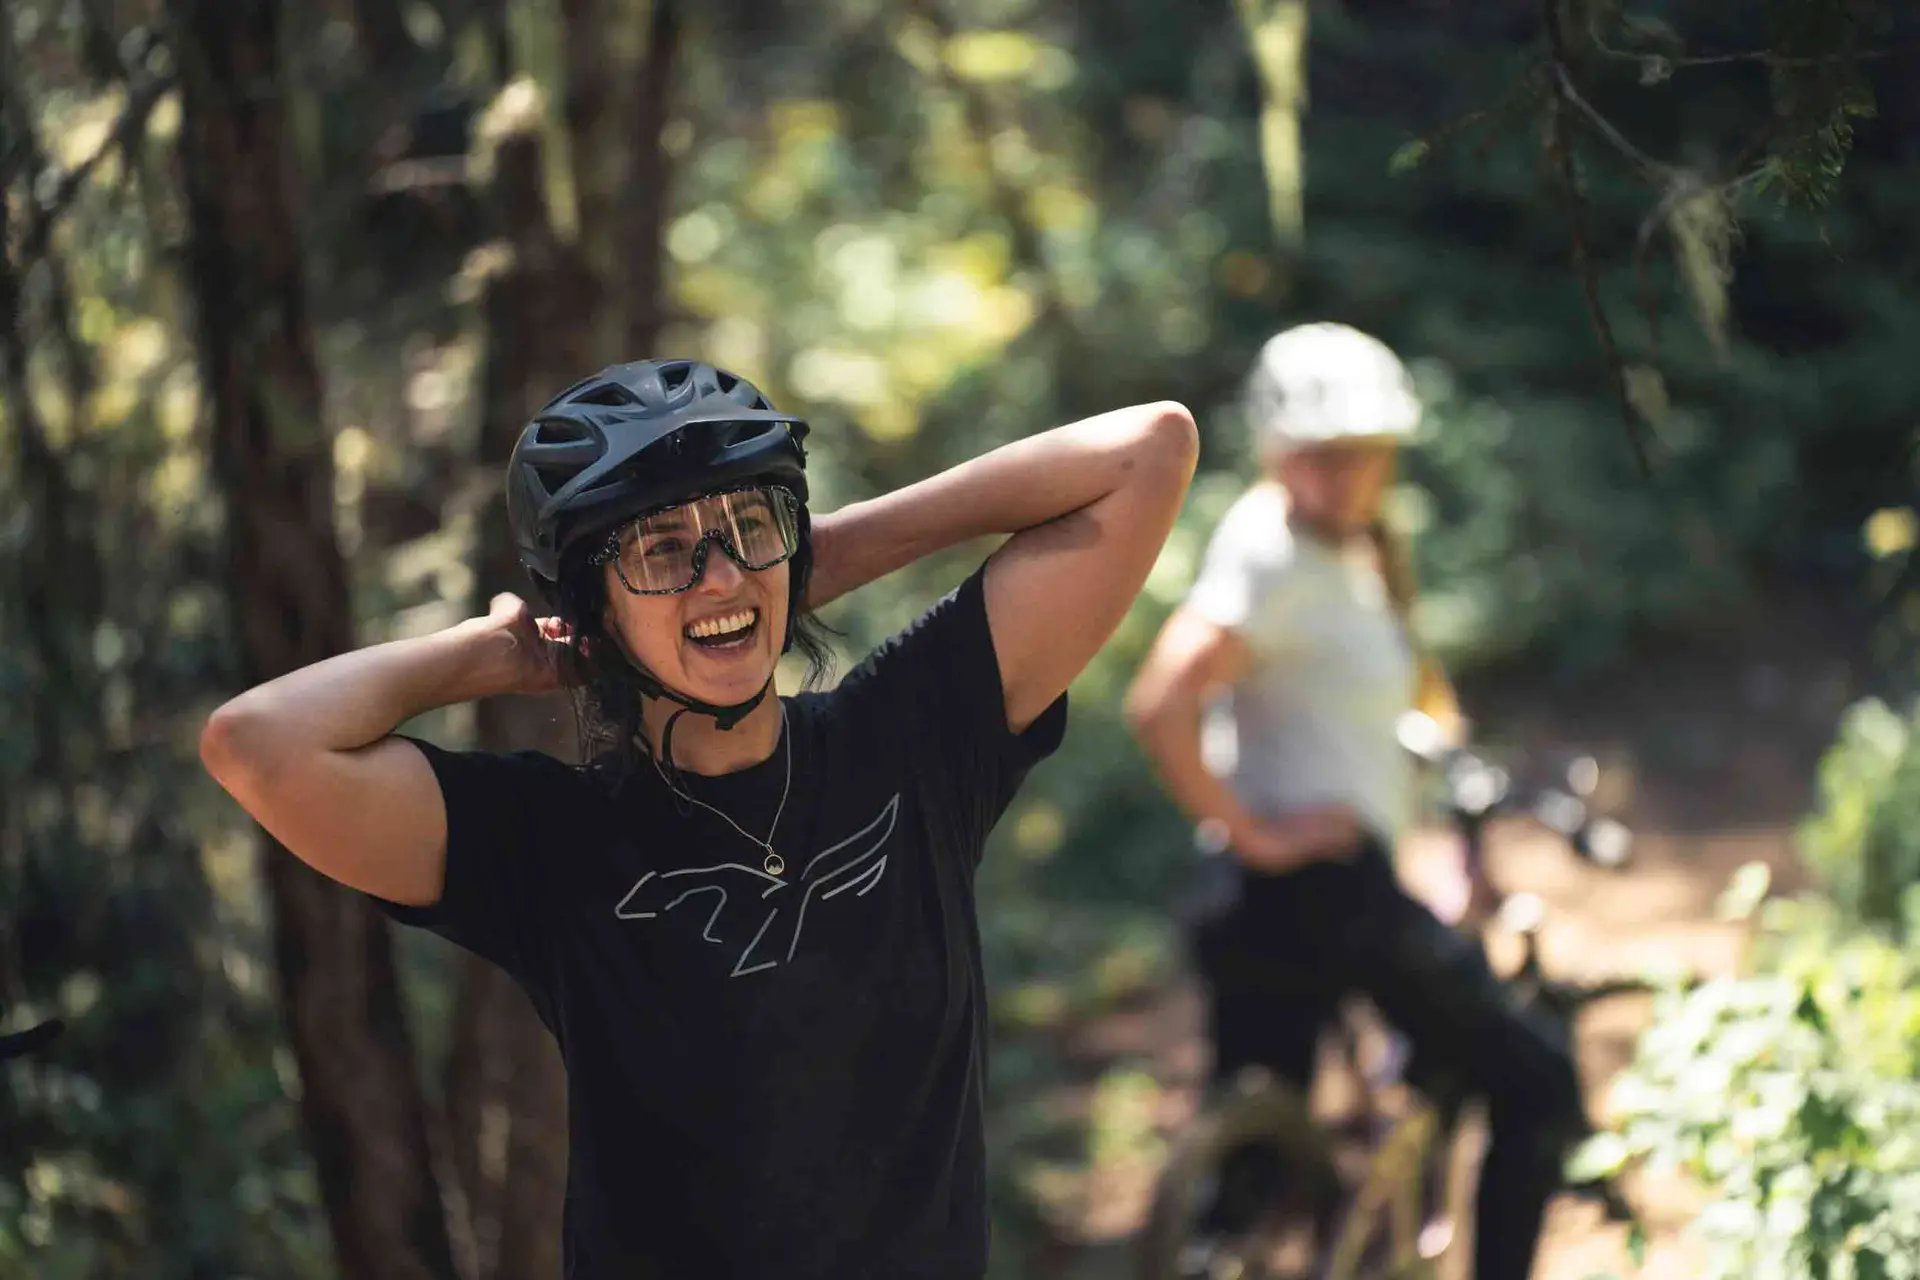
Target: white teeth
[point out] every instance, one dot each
(727, 624)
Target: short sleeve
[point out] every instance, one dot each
(1225, 593)
(1248, 575)
(937, 684)
(493, 899)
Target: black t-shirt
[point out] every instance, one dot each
(766, 1076)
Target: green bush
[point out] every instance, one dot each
(1864, 841)
(1792, 1096)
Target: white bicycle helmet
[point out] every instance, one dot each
(1328, 383)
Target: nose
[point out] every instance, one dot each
(719, 575)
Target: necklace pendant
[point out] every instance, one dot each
(775, 864)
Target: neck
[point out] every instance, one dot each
(699, 746)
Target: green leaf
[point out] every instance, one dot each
(1808, 1010)
(1744, 891)
(1601, 1156)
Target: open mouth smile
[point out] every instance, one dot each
(725, 631)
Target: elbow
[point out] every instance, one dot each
(229, 742)
(218, 748)
(1144, 714)
(1171, 439)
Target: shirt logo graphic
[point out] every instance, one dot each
(854, 863)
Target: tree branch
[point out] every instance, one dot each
(1570, 94)
(125, 133)
(1763, 57)
(1560, 161)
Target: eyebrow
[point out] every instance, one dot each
(663, 522)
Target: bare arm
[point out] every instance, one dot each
(1191, 658)
(1089, 505)
(309, 756)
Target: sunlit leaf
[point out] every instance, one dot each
(1603, 1155)
(1891, 531)
(1008, 55)
(1744, 890)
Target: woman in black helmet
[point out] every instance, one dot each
(750, 924)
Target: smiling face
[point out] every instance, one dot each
(717, 643)
(719, 640)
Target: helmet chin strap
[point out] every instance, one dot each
(724, 718)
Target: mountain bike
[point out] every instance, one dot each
(1367, 1199)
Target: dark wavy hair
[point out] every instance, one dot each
(608, 706)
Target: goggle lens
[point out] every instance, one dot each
(665, 551)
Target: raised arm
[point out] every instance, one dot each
(1088, 504)
(310, 757)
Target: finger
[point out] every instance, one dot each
(504, 605)
(555, 629)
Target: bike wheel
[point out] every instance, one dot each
(1284, 1233)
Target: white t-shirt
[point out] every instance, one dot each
(1314, 719)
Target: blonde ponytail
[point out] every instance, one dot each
(1434, 692)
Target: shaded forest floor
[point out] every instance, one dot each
(1709, 751)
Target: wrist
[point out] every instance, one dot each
(471, 660)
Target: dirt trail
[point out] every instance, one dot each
(1709, 753)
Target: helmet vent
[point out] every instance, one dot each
(607, 393)
(552, 477)
(559, 431)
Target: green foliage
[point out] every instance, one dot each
(1793, 1098)
(1819, 91)
(1864, 840)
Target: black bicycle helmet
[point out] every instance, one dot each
(638, 436)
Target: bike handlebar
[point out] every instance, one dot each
(1478, 789)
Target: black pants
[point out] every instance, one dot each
(1279, 953)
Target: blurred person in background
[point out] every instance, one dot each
(1301, 788)
(749, 919)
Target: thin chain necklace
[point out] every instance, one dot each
(775, 864)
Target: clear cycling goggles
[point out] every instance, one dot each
(664, 552)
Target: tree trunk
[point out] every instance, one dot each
(554, 314)
(649, 202)
(619, 83)
(597, 44)
(476, 1087)
(1277, 32)
(360, 1100)
(506, 1083)
(52, 585)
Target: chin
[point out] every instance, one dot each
(724, 678)
(728, 693)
